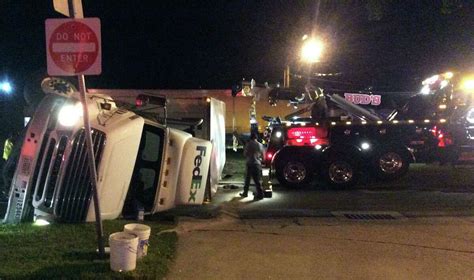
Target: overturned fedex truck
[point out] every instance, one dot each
(141, 164)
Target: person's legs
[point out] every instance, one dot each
(8, 171)
(247, 181)
(256, 175)
(2, 182)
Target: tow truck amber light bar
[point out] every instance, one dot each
(396, 122)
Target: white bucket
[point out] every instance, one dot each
(123, 251)
(143, 233)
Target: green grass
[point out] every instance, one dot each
(68, 251)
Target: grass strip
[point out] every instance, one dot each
(68, 251)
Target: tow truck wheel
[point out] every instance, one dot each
(293, 173)
(340, 171)
(390, 164)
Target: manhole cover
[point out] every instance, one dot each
(367, 216)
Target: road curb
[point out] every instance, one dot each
(212, 211)
(195, 211)
(454, 213)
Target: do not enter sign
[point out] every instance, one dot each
(73, 47)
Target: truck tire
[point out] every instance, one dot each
(390, 164)
(293, 173)
(340, 171)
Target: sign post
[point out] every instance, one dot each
(74, 48)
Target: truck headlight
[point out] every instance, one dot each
(470, 115)
(70, 114)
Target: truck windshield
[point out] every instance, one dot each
(147, 170)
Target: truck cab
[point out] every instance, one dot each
(447, 96)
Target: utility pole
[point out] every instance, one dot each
(286, 77)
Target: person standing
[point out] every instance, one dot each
(11, 155)
(253, 152)
(8, 147)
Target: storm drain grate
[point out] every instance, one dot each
(368, 216)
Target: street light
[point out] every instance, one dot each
(6, 87)
(312, 49)
(467, 84)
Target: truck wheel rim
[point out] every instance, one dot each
(390, 163)
(340, 172)
(294, 172)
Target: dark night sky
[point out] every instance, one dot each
(213, 44)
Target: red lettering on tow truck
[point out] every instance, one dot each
(363, 99)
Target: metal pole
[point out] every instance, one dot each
(92, 167)
(78, 13)
(233, 114)
(288, 76)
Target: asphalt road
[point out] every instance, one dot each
(314, 202)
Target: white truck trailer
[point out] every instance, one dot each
(199, 112)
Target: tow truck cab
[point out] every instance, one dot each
(448, 96)
(140, 164)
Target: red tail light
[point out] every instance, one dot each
(141, 101)
(307, 136)
(269, 155)
(301, 132)
(444, 139)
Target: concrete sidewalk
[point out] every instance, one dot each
(324, 248)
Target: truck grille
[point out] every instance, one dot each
(76, 190)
